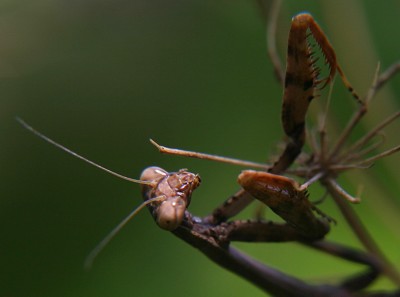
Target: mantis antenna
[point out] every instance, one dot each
(44, 137)
(102, 244)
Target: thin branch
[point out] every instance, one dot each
(322, 127)
(340, 168)
(379, 156)
(348, 129)
(373, 89)
(339, 191)
(361, 232)
(312, 180)
(271, 40)
(362, 141)
(348, 157)
(358, 282)
(387, 75)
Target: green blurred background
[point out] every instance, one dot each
(102, 77)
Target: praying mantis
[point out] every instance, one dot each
(168, 194)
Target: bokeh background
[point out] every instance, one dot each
(102, 77)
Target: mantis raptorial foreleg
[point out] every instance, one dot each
(302, 81)
(288, 200)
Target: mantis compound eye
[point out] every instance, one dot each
(153, 173)
(170, 213)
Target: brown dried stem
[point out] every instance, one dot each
(367, 137)
(271, 40)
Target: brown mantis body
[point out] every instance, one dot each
(168, 195)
